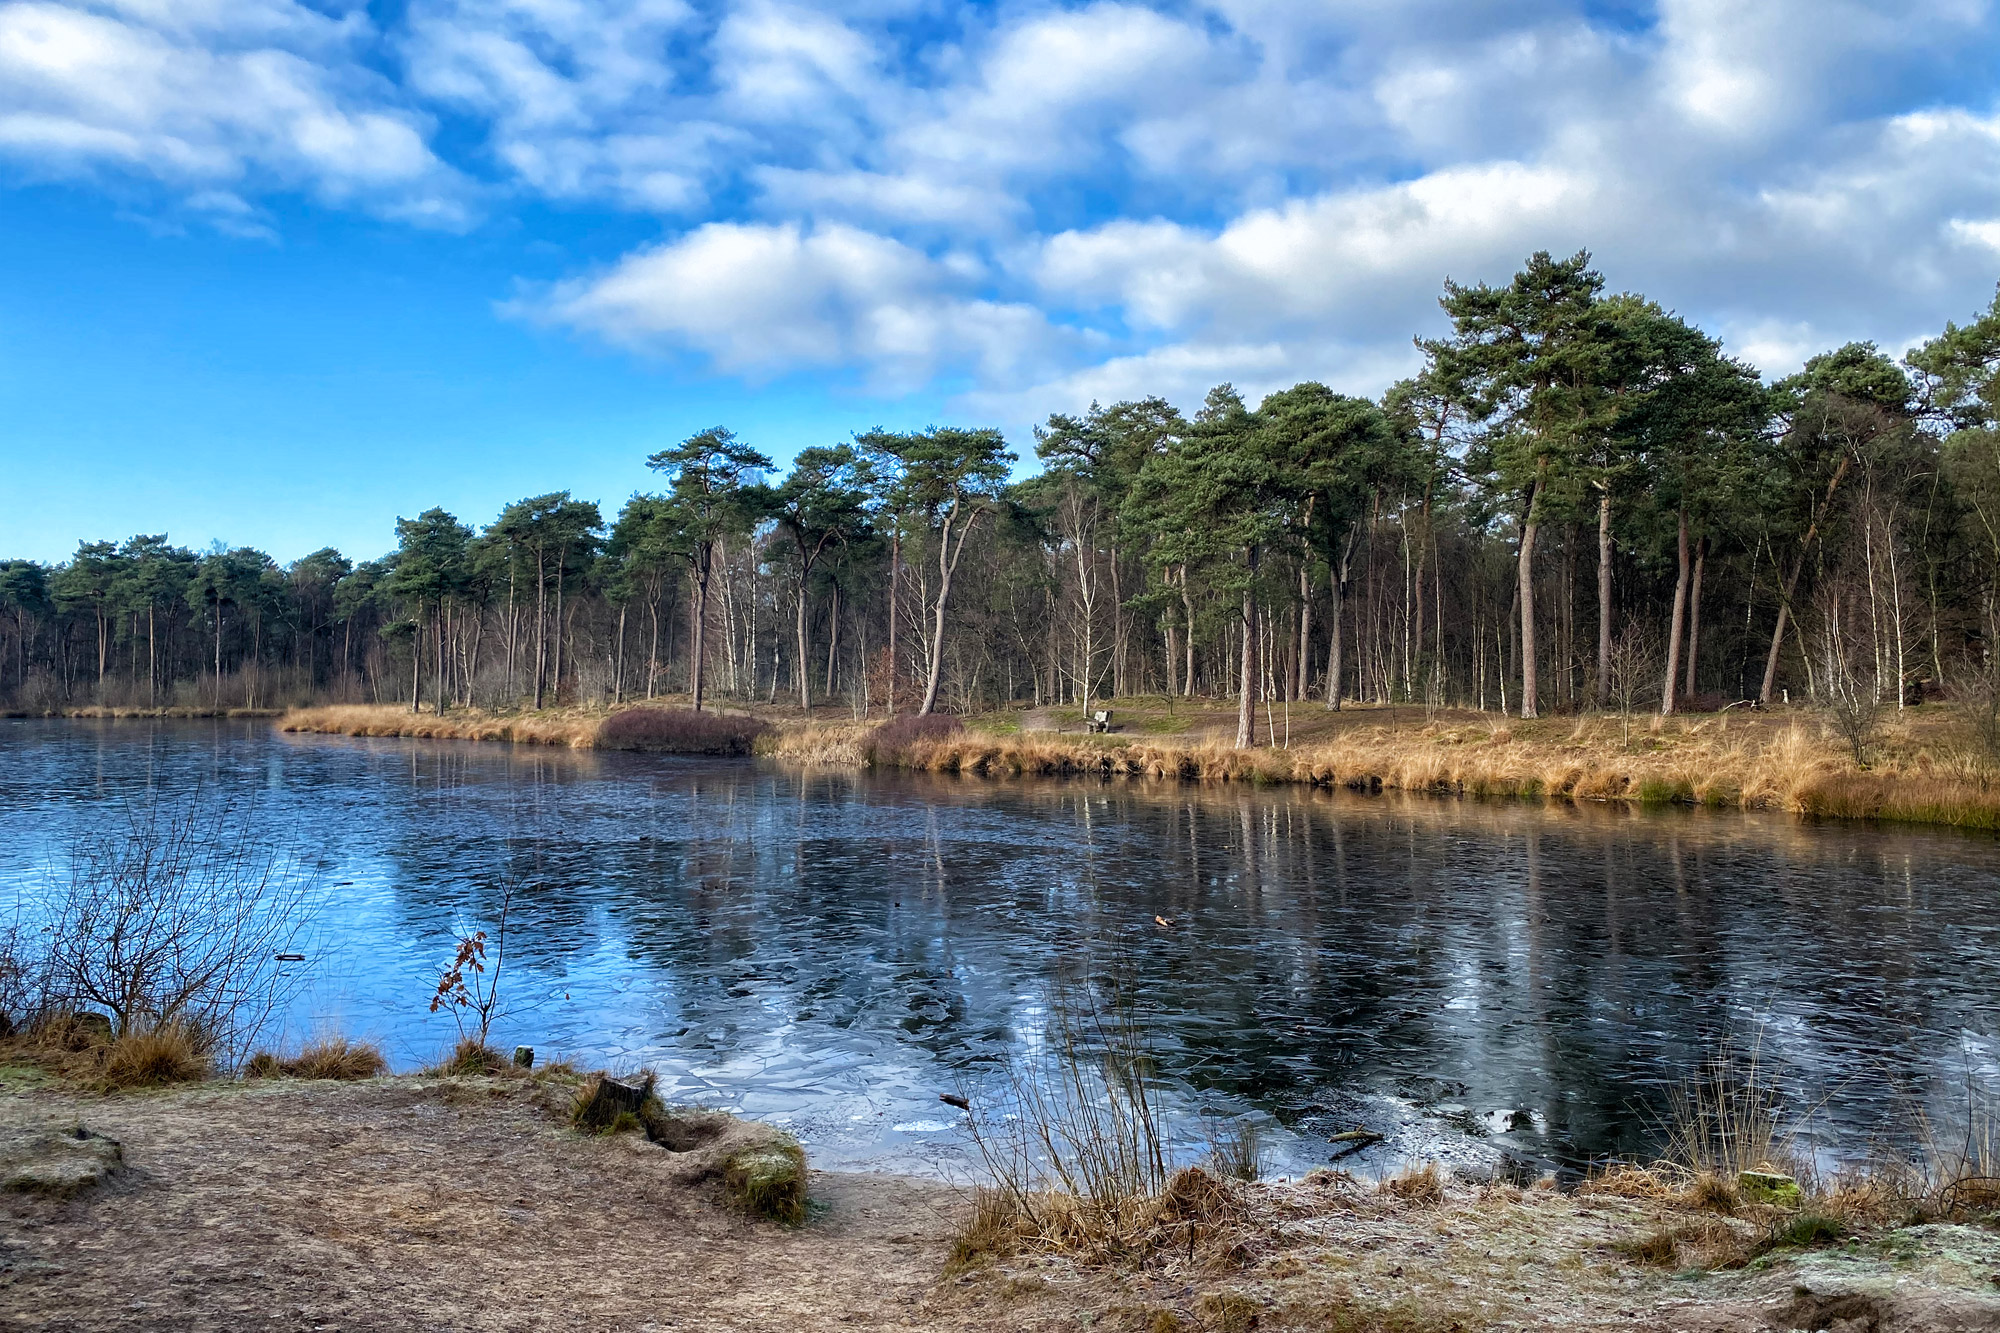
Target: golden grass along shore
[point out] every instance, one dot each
(1923, 772)
(574, 728)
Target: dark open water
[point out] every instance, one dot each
(1482, 981)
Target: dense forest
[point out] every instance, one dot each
(1579, 501)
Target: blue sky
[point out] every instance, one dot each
(277, 272)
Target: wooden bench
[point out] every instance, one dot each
(1099, 721)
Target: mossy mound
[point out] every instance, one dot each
(769, 1179)
(59, 1162)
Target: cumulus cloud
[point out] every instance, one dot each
(762, 299)
(1043, 202)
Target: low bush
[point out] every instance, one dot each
(679, 731)
(888, 741)
(327, 1057)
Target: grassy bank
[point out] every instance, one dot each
(1924, 769)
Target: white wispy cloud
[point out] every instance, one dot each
(198, 95)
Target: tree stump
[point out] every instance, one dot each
(611, 1098)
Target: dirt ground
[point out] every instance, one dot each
(427, 1204)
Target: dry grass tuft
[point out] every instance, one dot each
(1421, 1186)
(1708, 1243)
(153, 1058)
(769, 1180)
(895, 741)
(1658, 1182)
(987, 1233)
(1355, 1314)
(324, 1057)
(1712, 1193)
(472, 1058)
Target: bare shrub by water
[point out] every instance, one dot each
(1723, 1119)
(176, 916)
(679, 731)
(1081, 1148)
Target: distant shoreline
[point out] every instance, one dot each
(98, 712)
(1750, 762)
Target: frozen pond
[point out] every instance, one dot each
(1484, 981)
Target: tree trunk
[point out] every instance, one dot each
(541, 624)
(1778, 634)
(1336, 664)
(1187, 605)
(1246, 721)
(1299, 687)
(803, 669)
(1603, 599)
(1694, 615)
(895, 579)
(699, 636)
(1526, 582)
(556, 675)
(832, 639)
(416, 666)
(618, 668)
(1679, 617)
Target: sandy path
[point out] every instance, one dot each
(413, 1206)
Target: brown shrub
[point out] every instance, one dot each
(1229, 1311)
(1716, 1194)
(1660, 1182)
(1710, 1243)
(679, 731)
(68, 1031)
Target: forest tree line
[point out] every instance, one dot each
(1580, 501)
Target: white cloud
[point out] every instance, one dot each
(1312, 259)
(765, 299)
(195, 103)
